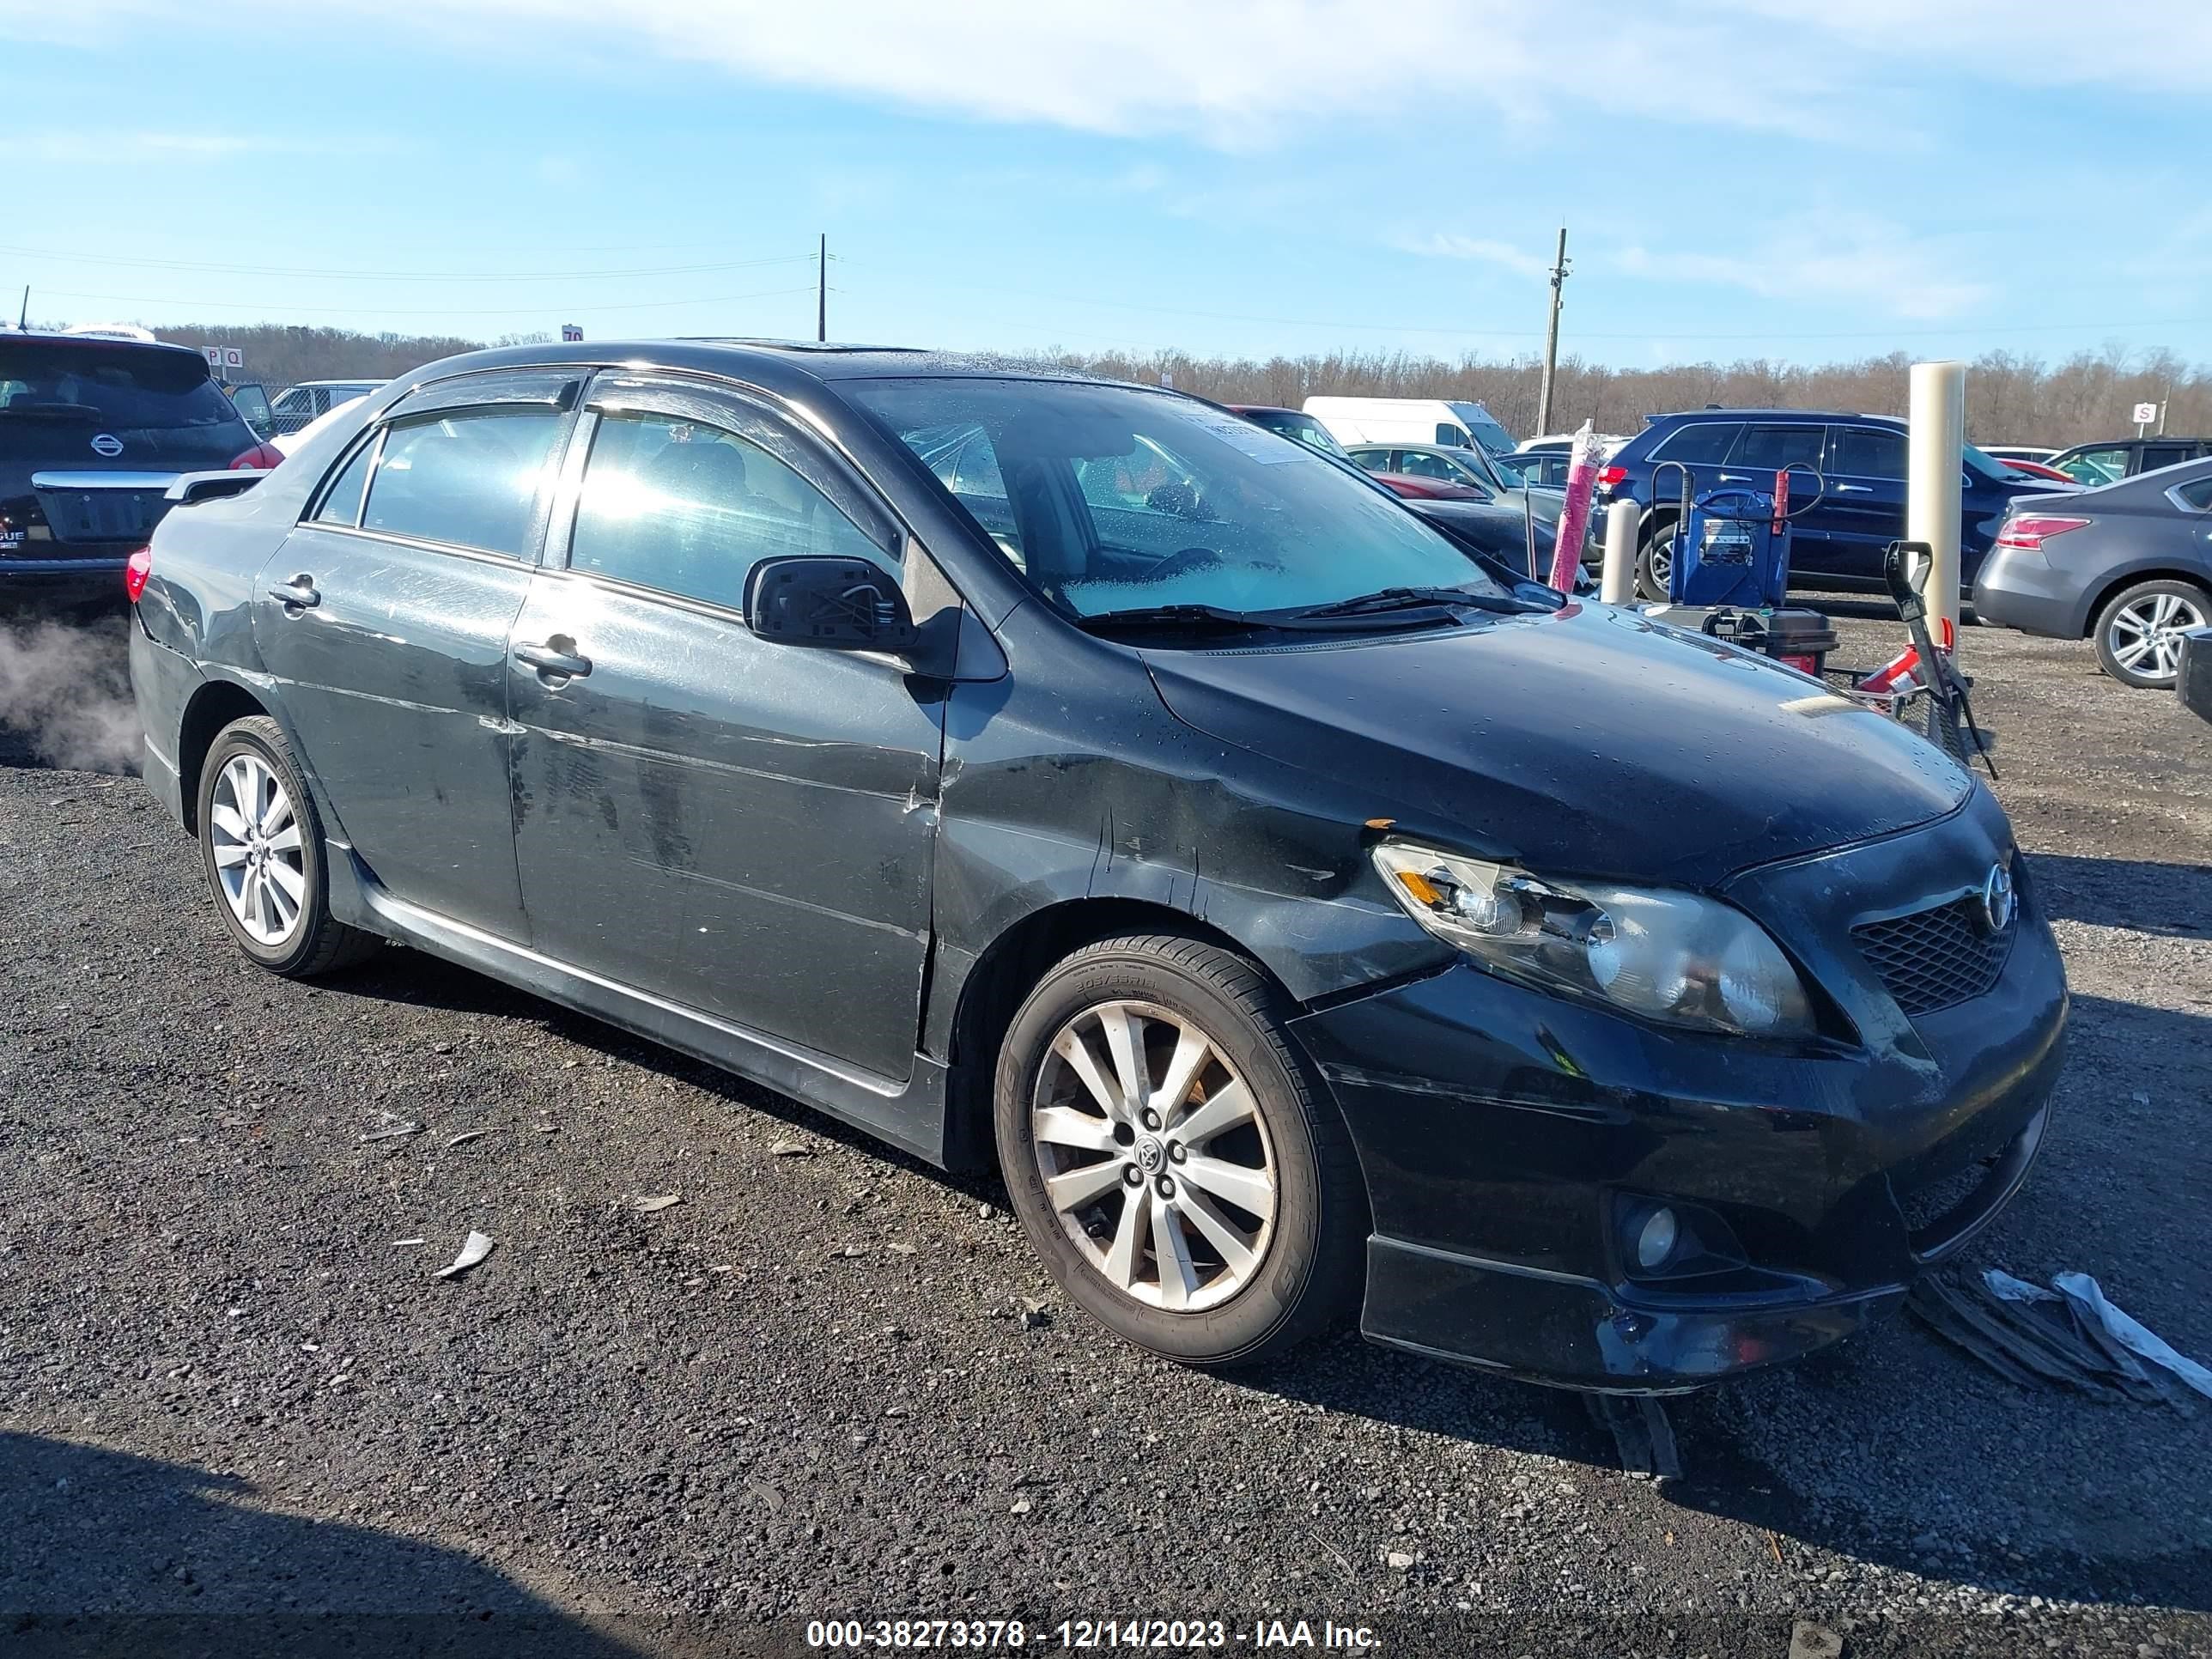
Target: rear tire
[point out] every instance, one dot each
(1655, 561)
(2138, 632)
(1205, 1205)
(261, 845)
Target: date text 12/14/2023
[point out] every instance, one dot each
(1089, 1635)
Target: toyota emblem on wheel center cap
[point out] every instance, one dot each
(1997, 899)
(107, 444)
(1150, 1155)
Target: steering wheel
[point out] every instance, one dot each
(1187, 558)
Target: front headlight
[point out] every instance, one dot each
(1669, 956)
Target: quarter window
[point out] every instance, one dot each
(341, 503)
(2197, 494)
(674, 504)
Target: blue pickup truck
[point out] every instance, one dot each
(1839, 540)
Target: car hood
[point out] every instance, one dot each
(1587, 741)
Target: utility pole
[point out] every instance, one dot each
(1551, 338)
(821, 290)
(24, 317)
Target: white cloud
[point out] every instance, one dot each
(1483, 249)
(1824, 258)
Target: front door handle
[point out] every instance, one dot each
(550, 659)
(1736, 477)
(299, 594)
(1853, 490)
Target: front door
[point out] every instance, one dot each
(385, 616)
(742, 828)
(1863, 507)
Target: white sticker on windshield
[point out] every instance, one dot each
(1262, 447)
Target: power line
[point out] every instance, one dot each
(404, 276)
(1655, 332)
(531, 309)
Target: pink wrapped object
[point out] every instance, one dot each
(1574, 520)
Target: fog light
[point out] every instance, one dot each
(1655, 1240)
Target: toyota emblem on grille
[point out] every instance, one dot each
(107, 444)
(1997, 899)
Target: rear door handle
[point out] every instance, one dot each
(550, 659)
(1853, 490)
(1736, 477)
(300, 592)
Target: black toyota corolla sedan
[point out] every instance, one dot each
(1304, 916)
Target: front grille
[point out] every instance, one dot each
(1937, 957)
(101, 515)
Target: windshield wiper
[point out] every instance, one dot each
(1417, 598)
(1210, 618)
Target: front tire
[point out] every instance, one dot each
(2138, 633)
(261, 845)
(1173, 1158)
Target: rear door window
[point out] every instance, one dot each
(1773, 447)
(1701, 443)
(468, 478)
(2158, 455)
(1867, 452)
(686, 507)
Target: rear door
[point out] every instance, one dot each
(1863, 510)
(1765, 449)
(385, 616)
(742, 828)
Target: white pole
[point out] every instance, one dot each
(1618, 585)
(1934, 472)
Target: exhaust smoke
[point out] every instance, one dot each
(65, 695)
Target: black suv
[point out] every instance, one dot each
(93, 432)
(1839, 540)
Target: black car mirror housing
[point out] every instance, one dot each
(831, 603)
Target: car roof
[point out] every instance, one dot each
(104, 342)
(775, 365)
(1805, 416)
(1266, 409)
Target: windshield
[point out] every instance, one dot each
(115, 386)
(1114, 498)
(1303, 427)
(1482, 428)
(1987, 464)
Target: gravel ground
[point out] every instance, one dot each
(234, 1401)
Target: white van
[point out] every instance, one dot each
(1410, 420)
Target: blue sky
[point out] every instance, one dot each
(1740, 177)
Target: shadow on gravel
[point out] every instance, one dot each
(107, 1554)
(2175, 899)
(399, 975)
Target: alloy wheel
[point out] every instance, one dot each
(2145, 636)
(254, 835)
(1155, 1156)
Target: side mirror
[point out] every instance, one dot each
(836, 604)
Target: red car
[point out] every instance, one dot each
(2036, 470)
